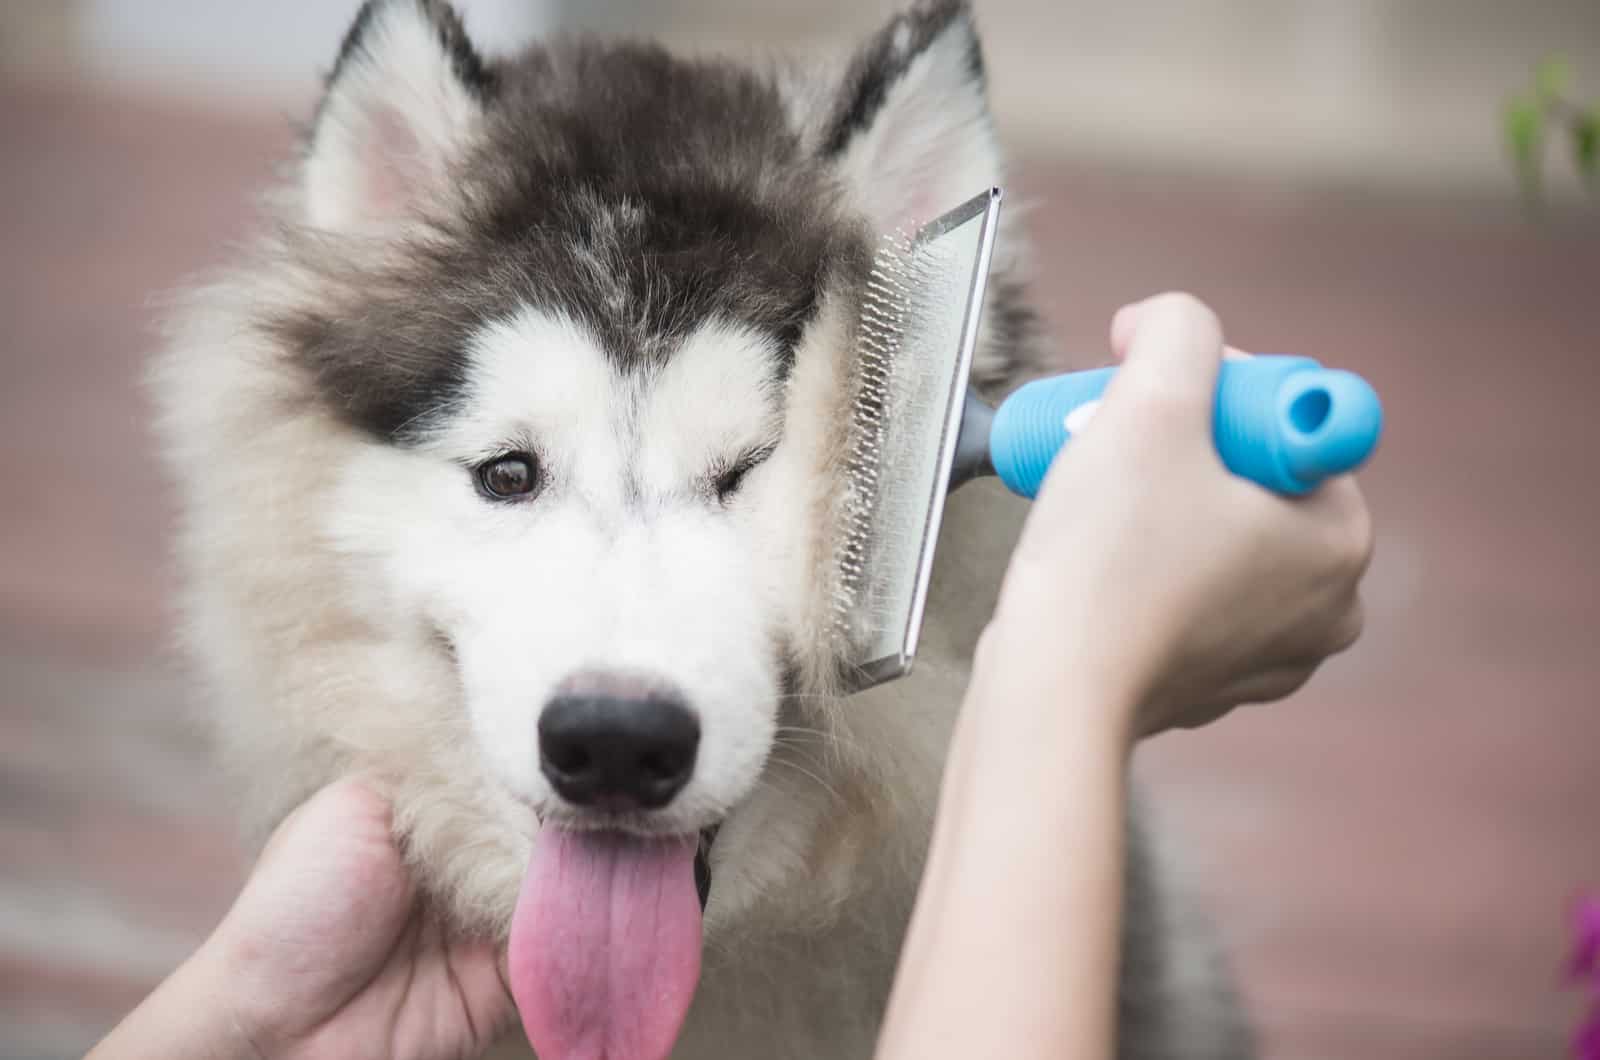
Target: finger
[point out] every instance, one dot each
(1334, 518)
(351, 807)
(1360, 538)
(1173, 358)
(1125, 321)
(502, 967)
(1265, 687)
(1269, 687)
(1123, 324)
(1349, 627)
(286, 827)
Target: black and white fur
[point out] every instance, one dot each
(643, 271)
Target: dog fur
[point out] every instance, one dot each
(647, 269)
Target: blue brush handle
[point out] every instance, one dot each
(1285, 423)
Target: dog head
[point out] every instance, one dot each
(521, 436)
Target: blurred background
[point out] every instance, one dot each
(1394, 855)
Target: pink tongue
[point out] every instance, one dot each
(605, 945)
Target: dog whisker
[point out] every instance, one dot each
(803, 771)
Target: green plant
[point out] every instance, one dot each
(1548, 111)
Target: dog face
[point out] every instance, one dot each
(579, 528)
(580, 323)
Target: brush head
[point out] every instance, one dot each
(915, 341)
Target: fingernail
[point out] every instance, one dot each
(1079, 418)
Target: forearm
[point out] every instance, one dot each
(184, 1019)
(1013, 948)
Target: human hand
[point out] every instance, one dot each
(329, 952)
(1174, 588)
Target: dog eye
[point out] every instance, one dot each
(508, 477)
(728, 481)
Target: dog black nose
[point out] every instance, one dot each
(616, 747)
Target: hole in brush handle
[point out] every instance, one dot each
(1309, 411)
(1333, 420)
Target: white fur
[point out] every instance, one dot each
(388, 135)
(688, 421)
(622, 563)
(932, 146)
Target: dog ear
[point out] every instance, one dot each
(406, 93)
(912, 137)
(910, 129)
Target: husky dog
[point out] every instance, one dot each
(510, 459)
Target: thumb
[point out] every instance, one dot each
(1173, 354)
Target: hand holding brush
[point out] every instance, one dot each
(1152, 588)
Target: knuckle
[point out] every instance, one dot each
(1293, 680)
(1359, 541)
(1352, 536)
(1350, 626)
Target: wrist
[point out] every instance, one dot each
(1043, 680)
